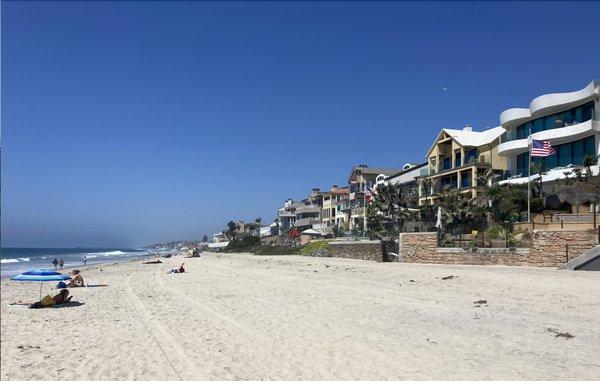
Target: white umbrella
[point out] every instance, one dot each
(438, 224)
(311, 232)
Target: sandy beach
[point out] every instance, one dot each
(237, 316)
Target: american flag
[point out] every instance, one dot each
(369, 193)
(541, 148)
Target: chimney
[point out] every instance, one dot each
(468, 128)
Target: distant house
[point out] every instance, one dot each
(361, 181)
(335, 203)
(248, 228)
(408, 179)
(219, 237)
(301, 214)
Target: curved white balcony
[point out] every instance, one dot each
(556, 136)
(513, 147)
(549, 104)
(514, 117)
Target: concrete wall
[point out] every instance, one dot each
(550, 249)
(369, 250)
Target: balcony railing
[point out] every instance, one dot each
(513, 135)
(358, 211)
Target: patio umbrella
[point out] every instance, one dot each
(40, 275)
(438, 224)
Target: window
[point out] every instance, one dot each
(563, 155)
(521, 134)
(538, 125)
(447, 163)
(577, 152)
(457, 159)
(549, 122)
(470, 156)
(589, 146)
(465, 179)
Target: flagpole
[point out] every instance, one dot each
(529, 178)
(365, 206)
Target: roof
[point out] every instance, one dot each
(344, 190)
(413, 168)
(375, 171)
(468, 138)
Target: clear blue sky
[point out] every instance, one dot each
(129, 123)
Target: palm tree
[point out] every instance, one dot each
(456, 210)
(232, 229)
(389, 210)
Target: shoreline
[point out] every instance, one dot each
(68, 269)
(296, 317)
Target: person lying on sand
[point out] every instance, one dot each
(177, 271)
(153, 262)
(49, 301)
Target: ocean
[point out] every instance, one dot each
(16, 260)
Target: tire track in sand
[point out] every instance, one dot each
(181, 364)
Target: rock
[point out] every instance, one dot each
(322, 253)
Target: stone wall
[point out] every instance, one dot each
(369, 250)
(573, 218)
(550, 249)
(555, 247)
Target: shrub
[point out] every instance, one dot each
(447, 243)
(537, 205)
(497, 231)
(247, 243)
(275, 250)
(311, 247)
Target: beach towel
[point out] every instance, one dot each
(63, 285)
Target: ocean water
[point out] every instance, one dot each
(17, 260)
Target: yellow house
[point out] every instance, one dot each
(459, 160)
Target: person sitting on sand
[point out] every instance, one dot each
(77, 281)
(177, 271)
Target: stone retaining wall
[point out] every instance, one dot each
(555, 247)
(573, 218)
(550, 249)
(369, 250)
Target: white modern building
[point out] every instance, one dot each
(570, 121)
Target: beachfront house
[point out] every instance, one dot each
(569, 121)
(407, 179)
(461, 160)
(302, 214)
(334, 206)
(361, 181)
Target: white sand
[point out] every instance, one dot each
(245, 317)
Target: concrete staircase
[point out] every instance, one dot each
(588, 261)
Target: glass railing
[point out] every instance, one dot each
(514, 135)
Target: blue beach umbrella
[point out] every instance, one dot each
(40, 275)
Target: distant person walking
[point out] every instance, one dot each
(84, 261)
(61, 263)
(55, 263)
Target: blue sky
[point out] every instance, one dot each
(135, 122)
